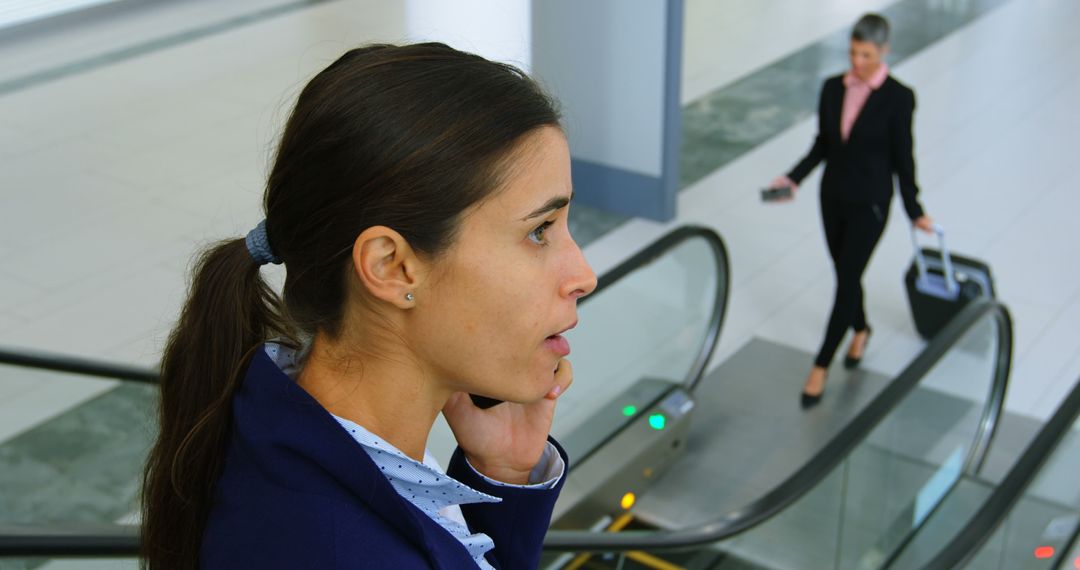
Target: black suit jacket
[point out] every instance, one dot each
(880, 145)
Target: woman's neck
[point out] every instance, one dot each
(870, 73)
(387, 395)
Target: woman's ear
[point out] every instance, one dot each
(386, 266)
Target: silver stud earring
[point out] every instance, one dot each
(409, 297)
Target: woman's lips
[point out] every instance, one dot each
(558, 344)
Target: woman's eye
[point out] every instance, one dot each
(537, 235)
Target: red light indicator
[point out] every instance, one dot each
(1044, 552)
(1076, 563)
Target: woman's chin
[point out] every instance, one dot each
(540, 384)
(541, 390)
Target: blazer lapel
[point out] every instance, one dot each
(872, 103)
(836, 105)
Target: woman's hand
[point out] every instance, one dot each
(784, 182)
(504, 442)
(924, 223)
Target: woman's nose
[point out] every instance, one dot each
(580, 280)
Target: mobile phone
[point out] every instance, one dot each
(484, 402)
(774, 194)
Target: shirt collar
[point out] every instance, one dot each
(876, 81)
(412, 478)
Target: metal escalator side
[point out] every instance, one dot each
(641, 347)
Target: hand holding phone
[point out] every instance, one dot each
(506, 442)
(775, 194)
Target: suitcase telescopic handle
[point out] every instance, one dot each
(946, 259)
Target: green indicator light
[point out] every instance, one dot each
(629, 411)
(657, 421)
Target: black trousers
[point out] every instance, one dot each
(852, 232)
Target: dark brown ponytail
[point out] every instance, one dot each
(229, 312)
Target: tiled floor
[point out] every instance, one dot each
(115, 172)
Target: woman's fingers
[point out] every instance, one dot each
(564, 376)
(784, 182)
(925, 223)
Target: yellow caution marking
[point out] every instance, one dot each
(651, 561)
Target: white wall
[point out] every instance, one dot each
(496, 29)
(15, 12)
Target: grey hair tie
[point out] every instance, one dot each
(258, 245)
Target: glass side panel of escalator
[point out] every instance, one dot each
(1041, 528)
(1038, 528)
(650, 325)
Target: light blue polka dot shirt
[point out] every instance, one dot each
(426, 485)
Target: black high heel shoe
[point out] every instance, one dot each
(850, 362)
(811, 400)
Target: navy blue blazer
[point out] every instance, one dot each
(297, 492)
(880, 145)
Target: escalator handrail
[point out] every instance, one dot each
(77, 365)
(834, 452)
(69, 541)
(116, 371)
(998, 505)
(123, 540)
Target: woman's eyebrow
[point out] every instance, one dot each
(550, 206)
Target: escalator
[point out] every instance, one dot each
(658, 444)
(859, 501)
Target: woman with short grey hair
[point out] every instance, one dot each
(864, 138)
(872, 28)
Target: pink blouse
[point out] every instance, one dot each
(855, 95)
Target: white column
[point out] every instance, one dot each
(615, 66)
(499, 30)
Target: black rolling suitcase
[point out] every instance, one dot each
(939, 284)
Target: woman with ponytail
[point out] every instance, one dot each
(418, 202)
